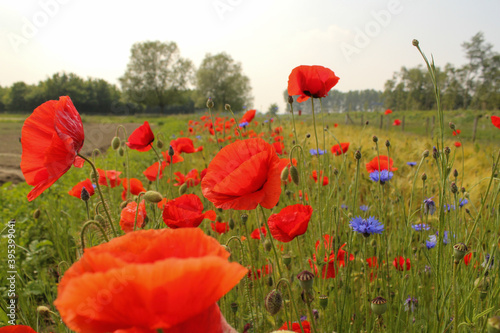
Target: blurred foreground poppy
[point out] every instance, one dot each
(17, 329)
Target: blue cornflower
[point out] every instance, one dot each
(344, 206)
(412, 164)
(420, 227)
(447, 207)
(315, 152)
(462, 202)
(431, 242)
(429, 206)
(383, 176)
(266, 121)
(366, 226)
(243, 124)
(411, 303)
(198, 137)
(486, 260)
(364, 208)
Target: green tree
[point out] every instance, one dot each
(220, 78)
(156, 74)
(273, 109)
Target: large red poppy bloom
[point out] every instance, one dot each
(148, 280)
(290, 222)
(76, 191)
(184, 145)
(17, 329)
(314, 176)
(109, 177)
(242, 175)
(186, 211)
(396, 122)
(385, 164)
(340, 149)
(495, 120)
(51, 139)
(311, 81)
(388, 111)
(248, 116)
(127, 216)
(142, 138)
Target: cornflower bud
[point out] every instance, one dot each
(227, 107)
(85, 195)
(387, 143)
(171, 151)
(290, 99)
(425, 154)
(210, 103)
(453, 188)
(357, 154)
(447, 151)
(424, 177)
(452, 125)
(375, 138)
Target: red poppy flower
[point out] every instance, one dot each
(340, 149)
(186, 211)
(151, 172)
(51, 138)
(149, 280)
(242, 175)
(333, 261)
(278, 147)
(311, 81)
(176, 158)
(258, 232)
(136, 187)
(467, 258)
(372, 262)
(141, 138)
(385, 164)
(109, 175)
(76, 191)
(456, 132)
(184, 145)
(127, 216)
(457, 144)
(399, 263)
(248, 116)
(192, 178)
(220, 227)
(335, 125)
(314, 176)
(290, 222)
(396, 122)
(495, 121)
(295, 327)
(388, 111)
(256, 274)
(17, 329)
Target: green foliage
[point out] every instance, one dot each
(220, 78)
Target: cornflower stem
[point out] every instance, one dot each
(84, 228)
(272, 241)
(138, 200)
(365, 263)
(292, 300)
(237, 125)
(455, 298)
(319, 169)
(413, 189)
(98, 187)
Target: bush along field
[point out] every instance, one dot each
(252, 224)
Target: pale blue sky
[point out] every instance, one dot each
(269, 38)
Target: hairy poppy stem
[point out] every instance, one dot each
(272, 241)
(100, 194)
(138, 200)
(126, 159)
(159, 168)
(84, 228)
(292, 300)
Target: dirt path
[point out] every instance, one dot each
(96, 136)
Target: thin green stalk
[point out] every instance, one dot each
(272, 242)
(292, 300)
(84, 228)
(319, 171)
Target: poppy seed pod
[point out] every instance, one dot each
(153, 196)
(323, 301)
(306, 280)
(459, 251)
(115, 143)
(414, 42)
(294, 173)
(379, 305)
(210, 103)
(273, 302)
(287, 260)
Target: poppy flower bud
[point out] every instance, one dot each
(171, 151)
(493, 324)
(125, 203)
(453, 188)
(357, 155)
(375, 138)
(379, 305)
(452, 125)
(414, 42)
(36, 214)
(284, 174)
(294, 173)
(121, 151)
(290, 99)
(42, 309)
(267, 245)
(425, 154)
(244, 218)
(306, 280)
(424, 177)
(323, 301)
(459, 251)
(153, 196)
(227, 107)
(231, 223)
(210, 103)
(159, 144)
(273, 302)
(183, 189)
(234, 307)
(115, 143)
(85, 195)
(447, 151)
